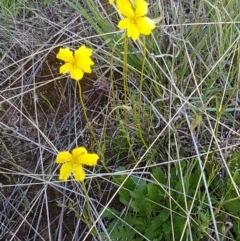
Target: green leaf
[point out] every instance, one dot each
(194, 178)
(159, 176)
(197, 120)
(233, 207)
(91, 14)
(155, 195)
(151, 235)
(165, 213)
(178, 224)
(236, 229)
(167, 229)
(186, 182)
(113, 226)
(204, 217)
(234, 162)
(139, 239)
(129, 183)
(47, 2)
(155, 230)
(124, 197)
(137, 222)
(111, 213)
(140, 184)
(140, 204)
(236, 177)
(157, 222)
(152, 192)
(124, 192)
(122, 234)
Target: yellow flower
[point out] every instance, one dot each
(111, 1)
(72, 163)
(77, 63)
(135, 21)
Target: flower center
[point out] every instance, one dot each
(74, 64)
(132, 21)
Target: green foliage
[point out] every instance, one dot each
(156, 206)
(47, 2)
(8, 8)
(226, 198)
(120, 143)
(149, 207)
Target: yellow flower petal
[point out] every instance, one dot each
(66, 55)
(124, 23)
(88, 159)
(76, 74)
(72, 163)
(145, 25)
(85, 65)
(133, 32)
(76, 63)
(66, 68)
(65, 171)
(82, 52)
(141, 8)
(87, 60)
(86, 68)
(64, 156)
(125, 8)
(76, 152)
(78, 173)
(111, 1)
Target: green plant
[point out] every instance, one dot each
(228, 210)
(151, 213)
(157, 209)
(47, 2)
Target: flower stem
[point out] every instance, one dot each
(125, 81)
(85, 112)
(114, 50)
(88, 204)
(140, 92)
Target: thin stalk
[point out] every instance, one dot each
(125, 81)
(88, 204)
(85, 112)
(140, 92)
